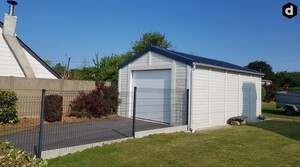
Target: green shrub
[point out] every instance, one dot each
(8, 107)
(270, 92)
(53, 108)
(10, 156)
(100, 102)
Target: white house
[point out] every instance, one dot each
(16, 58)
(218, 90)
(265, 81)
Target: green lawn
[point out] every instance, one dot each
(294, 88)
(274, 113)
(271, 143)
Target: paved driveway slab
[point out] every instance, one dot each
(60, 135)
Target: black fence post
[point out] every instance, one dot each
(39, 151)
(187, 105)
(134, 112)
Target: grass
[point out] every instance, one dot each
(274, 113)
(294, 88)
(270, 143)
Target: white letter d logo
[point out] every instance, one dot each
(290, 10)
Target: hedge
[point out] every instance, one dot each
(8, 107)
(53, 108)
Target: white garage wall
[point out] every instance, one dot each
(256, 105)
(200, 98)
(179, 106)
(159, 59)
(233, 95)
(123, 91)
(154, 61)
(245, 95)
(218, 95)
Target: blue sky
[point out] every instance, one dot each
(236, 31)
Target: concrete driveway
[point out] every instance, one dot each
(78, 133)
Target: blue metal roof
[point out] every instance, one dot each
(188, 59)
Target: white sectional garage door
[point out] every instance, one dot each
(153, 94)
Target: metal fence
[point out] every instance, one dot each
(140, 110)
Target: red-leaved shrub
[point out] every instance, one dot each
(102, 101)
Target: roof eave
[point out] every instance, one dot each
(227, 69)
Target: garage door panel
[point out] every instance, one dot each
(153, 94)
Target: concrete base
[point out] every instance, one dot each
(216, 127)
(162, 130)
(48, 154)
(256, 120)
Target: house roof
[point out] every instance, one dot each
(190, 60)
(34, 55)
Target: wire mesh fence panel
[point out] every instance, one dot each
(76, 129)
(154, 104)
(24, 134)
(155, 108)
(162, 105)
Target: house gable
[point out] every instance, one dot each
(9, 65)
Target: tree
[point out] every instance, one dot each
(270, 92)
(151, 39)
(105, 69)
(86, 73)
(96, 61)
(85, 62)
(262, 66)
(59, 69)
(49, 62)
(287, 81)
(108, 66)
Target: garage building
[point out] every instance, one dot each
(217, 90)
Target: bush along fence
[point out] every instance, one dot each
(58, 121)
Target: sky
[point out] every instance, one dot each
(235, 31)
